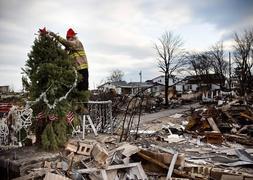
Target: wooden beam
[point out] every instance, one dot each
(153, 160)
(213, 124)
(34, 175)
(171, 151)
(172, 164)
(120, 166)
(167, 156)
(104, 175)
(244, 128)
(246, 116)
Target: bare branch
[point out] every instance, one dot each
(243, 57)
(169, 50)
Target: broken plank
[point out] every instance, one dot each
(183, 174)
(129, 149)
(245, 127)
(246, 116)
(213, 124)
(172, 164)
(104, 175)
(141, 171)
(113, 167)
(152, 160)
(171, 151)
(166, 157)
(231, 177)
(52, 176)
(229, 116)
(112, 174)
(33, 175)
(239, 139)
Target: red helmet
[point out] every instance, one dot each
(70, 33)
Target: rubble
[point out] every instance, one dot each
(100, 155)
(212, 142)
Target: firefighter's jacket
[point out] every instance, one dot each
(76, 51)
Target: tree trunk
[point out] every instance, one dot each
(166, 89)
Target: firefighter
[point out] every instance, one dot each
(76, 52)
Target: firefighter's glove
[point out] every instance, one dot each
(51, 33)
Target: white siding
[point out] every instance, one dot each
(161, 80)
(215, 86)
(194, 87)
(179, 87)
(118, 90)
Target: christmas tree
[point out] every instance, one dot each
(50, 79)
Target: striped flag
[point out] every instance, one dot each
(52, 117)
(70, 117)
(40, 116)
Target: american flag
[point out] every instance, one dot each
(41, 115)
(52, 117)
(70, 117)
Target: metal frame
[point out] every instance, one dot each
(101, 115)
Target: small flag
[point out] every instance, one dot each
(40, 116)
(70, 117)
(52, 117)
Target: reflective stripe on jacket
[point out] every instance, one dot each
(76, 51)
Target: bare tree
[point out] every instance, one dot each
(170, 57)
(243, 50)
(209, 62)
(218, 63)
(116, 75)
(199, 64)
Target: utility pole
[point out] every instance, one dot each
(229, 66)
(140, 76)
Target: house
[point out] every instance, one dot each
(4, 89)
(208, 84)
(205, 81)
(116, 86)
(178, 86)
(155, 85)
(133, 88)
(122, 87)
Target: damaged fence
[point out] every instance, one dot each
(101, 115)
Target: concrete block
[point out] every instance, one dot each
(84, 149)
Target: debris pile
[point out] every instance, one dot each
(202, 143)
(102, 158)
(233, 121)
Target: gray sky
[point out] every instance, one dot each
(117, 34)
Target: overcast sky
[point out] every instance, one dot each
(117, 34)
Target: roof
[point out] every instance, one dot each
(138, 84)
(205, 79)
(116, 83)
(162, 76)
(124, 84)
(158, 77)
